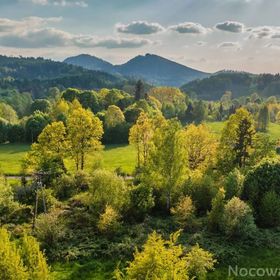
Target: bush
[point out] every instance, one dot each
(109, 221)
(202, 191)
(11, 266)
(141, 202)
(64, 187)
(50, 228)
(108, 188)
(217, 211)
(33, 258)
(270, 209)
(233, 184)
(21, 260)
(238, 221)
(199, 262)
(184, 212)
(7, 203)
(264, 178)
(165, 259)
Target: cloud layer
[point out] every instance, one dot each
(231, 26)
(229, 45)
(139, 27)
(32, 32)
(62, 3)
(189, 28)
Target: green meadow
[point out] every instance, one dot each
(112, 156)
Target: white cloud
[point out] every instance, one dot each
(62, 3)
(201, 43)
(7, 25)
(264, 32)
(273, 46)
(31, 32)
(231, 26)
(229, 45)
(110, 42)
(139, 27)
(190, 28)
(38, 38)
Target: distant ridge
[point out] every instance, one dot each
(152, 68)
(90, 62)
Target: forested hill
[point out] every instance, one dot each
(153, 69)
(239, 83)
(35, 75)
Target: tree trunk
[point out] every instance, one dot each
(168, 201)
(82, 160)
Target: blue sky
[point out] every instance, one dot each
(210, 35)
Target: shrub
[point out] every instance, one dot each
(164, 259)
(199, 262)
(108, 221)
(238, 220)
(233, 184)
(270, 209)
(64, 187)
(108, 188)
(217, 211)
(11, 265)
(201, 189)
(7, 203)
(33, 258)
(50, 228)
(67, 185)
(264, 178)
(141, 202)
(21, 260)
(184, 212)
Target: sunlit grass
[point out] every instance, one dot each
(112, 157)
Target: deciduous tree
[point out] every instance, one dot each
(84, 133)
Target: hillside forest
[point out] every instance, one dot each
(196, 201)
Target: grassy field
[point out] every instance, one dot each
(257, 258)
(101, 270)
(273, 129)
(97, 270)
(112, 157)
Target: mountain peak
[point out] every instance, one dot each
(152, 68)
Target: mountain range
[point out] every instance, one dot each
(154, 69)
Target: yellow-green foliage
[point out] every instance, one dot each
(200, 146)
(11, 265)
(165, 259)
(21, 260)
(141, 135)
(199, 262)
(113, 116)
(184, 212)
(33, 259)
(109, 220)
(160, 259)
(107, 188)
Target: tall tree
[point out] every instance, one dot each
(263, 119)
(236, 145)
(139, 90)
(140, 135)
(114, 116)
(50, 150)
(84, 133)
(167, 164)
(200, 146)
(199, 111)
